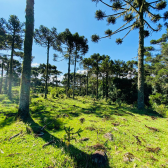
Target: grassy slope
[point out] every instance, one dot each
(26, 150)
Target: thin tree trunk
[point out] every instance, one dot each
(11, 69)
(80, 84)
(1, 78)
(46, 80)
(56, 81)
(74, 76)
(23, 112)
(97, 86)
(106, 85)
(68, 75)
(87, 85)
(103, 86)
(141, 64)
(6, 80)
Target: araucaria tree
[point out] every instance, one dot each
(106, 67)
(136, 14)
(81, 48)
(14, 41)
(2, 34)
(23, 112)
(95, 63)
(47, 38)
(66, 38)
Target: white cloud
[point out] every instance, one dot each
(60, 77)
(81, 71)
(35, 64)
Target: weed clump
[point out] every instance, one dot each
(52, 123)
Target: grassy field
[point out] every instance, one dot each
(138, 138)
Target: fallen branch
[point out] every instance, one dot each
(37, 135)
(13, 154)
(15, 135)
(45, 126)
(154, 150)
(152, 128)
(138, 140)
(48, 143)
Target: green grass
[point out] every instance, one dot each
(26, 149)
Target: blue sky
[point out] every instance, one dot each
(78, 16)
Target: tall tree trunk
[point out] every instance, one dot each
(56, 81)
(68, 75)
(74, 75)
(141, 63)
(6, 80)
(23, 112)
(106, 85)
(46, 80)
(97, 85)
(11, 69)
(80, 85)
(1, 78)
(97, 81)
(87, 85)
(103, 86)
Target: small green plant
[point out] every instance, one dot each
(62, 96)
(52, 123)
(53, 92)
(109, 102)
(70, 91)
(71, 135)
(119, 102)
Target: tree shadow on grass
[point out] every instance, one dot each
(147, 112)
(81, 159)
(7, 121)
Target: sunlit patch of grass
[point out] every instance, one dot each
(125, 123)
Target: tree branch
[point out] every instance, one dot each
(152, 6)
(117, 31)
(150, 26)
(154, 2)
(151, 13)
(115, 14)
(121, 27)
(105, 3)
(131, 6)
(127, 33)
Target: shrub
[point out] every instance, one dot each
(55, 92)
(6, 102)
(61, 96)
(2, 97)
(109, 102)
(52, 123)
(70, 91)
(157, 98)
(119, 102)
(161, 109)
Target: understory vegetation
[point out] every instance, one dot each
(129, 137)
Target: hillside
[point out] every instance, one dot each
(135, 139)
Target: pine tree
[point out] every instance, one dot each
(135, 13)
(81, 48)
(14, 41)
(47, 38)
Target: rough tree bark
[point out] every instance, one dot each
(23, 112)
(141, 63)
